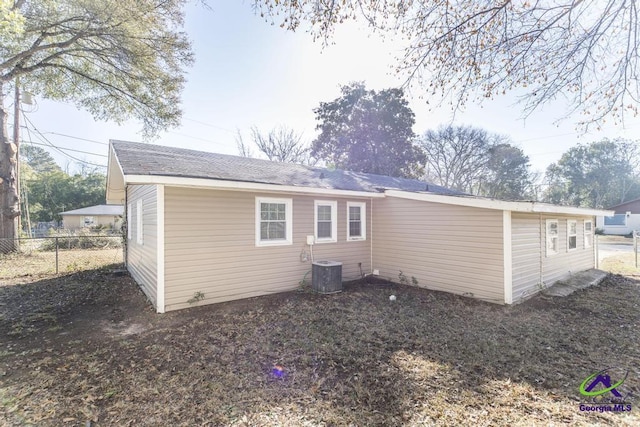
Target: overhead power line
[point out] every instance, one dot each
(60, 150)
(76, 137)
(209, 125)
(69, 149)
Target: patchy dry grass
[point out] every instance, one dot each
(89, 347)
(623, 263)
(25, 267)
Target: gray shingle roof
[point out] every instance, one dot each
(147, 159)
(115, 210)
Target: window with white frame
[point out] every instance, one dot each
(274, 221)
(326, 224)
(139, 224)
(552, 237)
(356, 221)
(88, 221)
(129, 221)
(588, 234)
(572, 234)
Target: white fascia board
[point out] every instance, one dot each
(114, 194)
(241, 186)
(478, 202)
(570, 210)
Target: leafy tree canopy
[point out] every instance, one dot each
(584, 51)
(38, 159)
(600, 174)
(368, 131)
(117, 59)
(53, 191)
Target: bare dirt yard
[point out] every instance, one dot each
(85, 348)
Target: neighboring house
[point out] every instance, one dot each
(109, 216)
(223, 227)
(625, 220)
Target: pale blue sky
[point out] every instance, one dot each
(248, 72)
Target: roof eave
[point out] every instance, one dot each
(222, 184)
(478, 202)
(115, 192)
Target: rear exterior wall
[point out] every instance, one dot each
(444, 247)
(533, 267)
(210, 246)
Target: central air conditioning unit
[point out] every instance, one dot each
(326, 277)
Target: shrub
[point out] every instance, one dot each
(81, 240)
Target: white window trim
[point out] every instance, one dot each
(334, 220)
(84, 220)
(588, 241)
(129, 221)
(569, 235)
(363, 221)
(288, 221)
(548, 251)
(139, 224)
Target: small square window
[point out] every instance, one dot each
(326, 226)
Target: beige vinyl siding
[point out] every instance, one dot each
(72, 222)
(532, 268)
(210, 246)
(528, 245)
(566, 263)
(449, 248)
(142, 259)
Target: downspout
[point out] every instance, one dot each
(543, 245)
(371, 238)
(126, 232)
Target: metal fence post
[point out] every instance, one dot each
(635, 246)
(56, 254)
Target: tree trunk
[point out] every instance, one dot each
(9, 207)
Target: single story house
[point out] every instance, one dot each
(100, 215)
(625, 219)
(213, 227)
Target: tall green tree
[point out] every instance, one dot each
(472, 160)
(509, 175)
(52, 192)
(38, 159)
(584, 51)
(599, 174)
(117, 59)
(368, 131)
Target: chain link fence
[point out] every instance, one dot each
(59, 254)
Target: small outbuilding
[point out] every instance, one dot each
(109, 216)
(211, 227)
